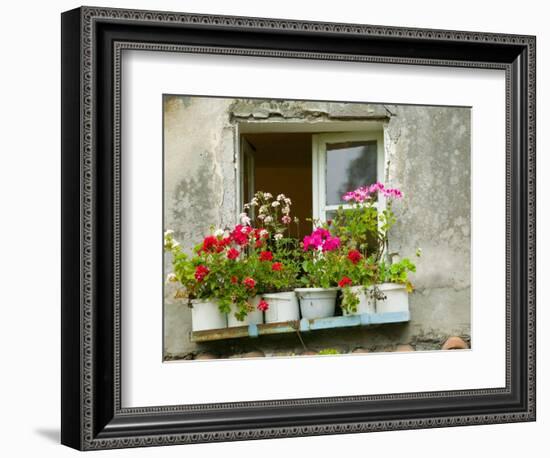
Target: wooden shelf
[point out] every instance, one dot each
(303, 325)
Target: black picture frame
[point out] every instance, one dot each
(92, 40)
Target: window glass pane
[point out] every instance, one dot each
(349, 165)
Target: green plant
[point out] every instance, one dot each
(398, 272)
(350, 300)
(329, 351)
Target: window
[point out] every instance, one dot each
(342, 162)
(314, 168)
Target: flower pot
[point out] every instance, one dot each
(317, 302)
(282, 307)
(397, 298)
(254, 317)
(366, 301)
(206, 315)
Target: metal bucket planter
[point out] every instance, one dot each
(366, 301)
(282, 307)
(397, 298)
(254, 317)
(206, 315)
(317, 302)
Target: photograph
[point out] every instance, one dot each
(309, 228)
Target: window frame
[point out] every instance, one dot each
(319, 164)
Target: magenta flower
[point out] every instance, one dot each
(363, 193)
(321, 238)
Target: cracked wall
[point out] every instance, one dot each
(428, 150)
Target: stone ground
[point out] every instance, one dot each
(241, 348)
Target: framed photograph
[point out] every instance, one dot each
(276, 228)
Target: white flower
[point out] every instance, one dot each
(268, 219)
(175, 244)
(263, 233)
(278, 236)
(218, 232)
(281, 197)
(254, 201)
(261, 216)
(286, 210)
(168, 232)
(247, 206)
(171, 277)
(288, 201)
(263, 208)
(244, 230)
(244, 219)
(275, 203)
(268, 195)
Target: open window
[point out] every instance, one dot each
(315, 168)
(342, 162)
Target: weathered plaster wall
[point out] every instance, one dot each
(428, 149)
(428, 154)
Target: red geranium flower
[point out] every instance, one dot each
(201, 272)
(266, 256)
(240, 234)
(345, 281)
(233, 253)
(209, 243)
(249, 282)
(354, 256)
(276, 266)
(263, 305)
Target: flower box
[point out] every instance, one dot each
(366, 301)
(396, 298)
(283, 306)
(206, 315)
(254, 316)
(317, 302)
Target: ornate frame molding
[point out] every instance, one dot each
(84, 22)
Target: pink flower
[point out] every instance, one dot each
(393, 193)
(331, 244)
(263, 305)
(345, 281)
(276, 266)
(249, 282)
(363, 193)
(321, 238)
(286, 219)
(233, 253)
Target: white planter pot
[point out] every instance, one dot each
(366, 301)
(206, 315)
(282, 307)
(254, 317)
(317, 302)
(397, 298)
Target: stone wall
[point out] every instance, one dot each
(427, 152)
